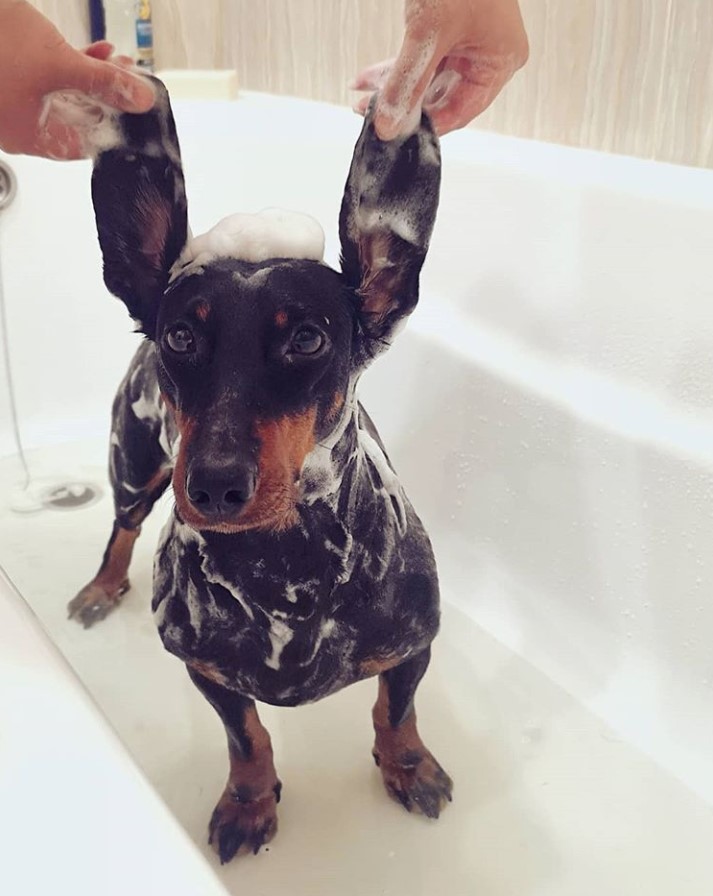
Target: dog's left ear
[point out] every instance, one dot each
(387, 215)
(139, 200)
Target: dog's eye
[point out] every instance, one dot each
(180, 339)
(307, 341)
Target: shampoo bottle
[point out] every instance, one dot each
(144, 35)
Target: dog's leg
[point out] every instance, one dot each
(411, 774)
(97, 599)
(246, 815)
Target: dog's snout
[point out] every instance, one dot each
(220, 488)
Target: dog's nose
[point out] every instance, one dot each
(220, 488)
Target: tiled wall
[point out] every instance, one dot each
(629, 76)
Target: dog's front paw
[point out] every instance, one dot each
(95, 601)
(239, 827)
(416, 780)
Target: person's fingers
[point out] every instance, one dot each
(110, 84)
(455, 58)
(373, 77)
(123, 61)
(362, 104)
(463, 99)
(59, 141)
(103, 50)
(100, 49)
(407, 81)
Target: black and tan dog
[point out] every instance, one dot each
(293, 564)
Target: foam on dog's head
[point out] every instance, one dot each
(271, 233)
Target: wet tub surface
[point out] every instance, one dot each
(547, 800)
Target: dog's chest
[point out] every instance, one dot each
(284, 621)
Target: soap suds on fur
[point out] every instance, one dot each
(95, 123)
(271, 233)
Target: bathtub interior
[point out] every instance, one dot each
(548, 409)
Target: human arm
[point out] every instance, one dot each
(35, 60)
(455, 58)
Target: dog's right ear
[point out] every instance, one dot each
(139, 200)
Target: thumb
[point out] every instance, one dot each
(111, 84)
(400, 98)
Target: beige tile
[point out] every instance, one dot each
(685, 112)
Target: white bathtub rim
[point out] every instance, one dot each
(33, 666)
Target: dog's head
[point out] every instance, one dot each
(258, 358)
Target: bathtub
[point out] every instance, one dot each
(549, 408)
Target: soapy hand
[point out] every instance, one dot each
(456, 57)
(35, 61)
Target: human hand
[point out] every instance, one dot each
(456, 57)
(35, 60)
